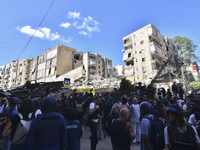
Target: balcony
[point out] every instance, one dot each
(92, 71)
(128, 57)
(127, 41)
(92, 62)
(92, 56)
(154, 34)
(128, 67)
(127, 44)
(128, 50)
(129, 71)
(156, 50)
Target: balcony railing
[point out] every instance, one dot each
(92, 62)
(92, 70)
(156, 50)
(129, 71)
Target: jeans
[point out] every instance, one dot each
(94, 138)
(6, 143)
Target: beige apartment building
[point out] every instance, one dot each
(14, 74)
(145, 51)
(2, 70)
(96, 66)
(55, 62)
(23, 72)
(54, 65)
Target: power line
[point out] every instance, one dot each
(35, 31)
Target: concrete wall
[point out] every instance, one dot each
(74, 74)
(65, 60)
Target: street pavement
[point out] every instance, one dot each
(103, 144)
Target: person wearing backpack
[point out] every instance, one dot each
(48, 130)
(152, 129)
(114, 114)
(179, 135)
(122, 133)
(8, 112)
(17, 123)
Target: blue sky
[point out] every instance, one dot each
(90, 25)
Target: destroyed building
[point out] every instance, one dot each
(56, 64)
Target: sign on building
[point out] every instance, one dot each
(66, 83)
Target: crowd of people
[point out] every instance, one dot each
(56, 122)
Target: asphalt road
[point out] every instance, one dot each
(103, 144)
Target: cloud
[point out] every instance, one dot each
(66, 40)
(86, 25)
(73, 15)
(29, 31)
(65, 25)
(83, 32)
(42, 33)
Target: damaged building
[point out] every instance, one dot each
(145, 52)
(54, 63)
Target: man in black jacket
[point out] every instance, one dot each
(122, 133)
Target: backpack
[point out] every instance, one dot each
(157, 133)
(7, 113)
(21, 132)
(187, 140)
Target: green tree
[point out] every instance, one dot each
(195, 85)
(126, 87)
(151, 92)
(185, 49)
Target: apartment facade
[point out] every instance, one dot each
(14, 74)
(54, 62)
(23, 72)
(145, 51)
(96, 66)
(2, 70)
